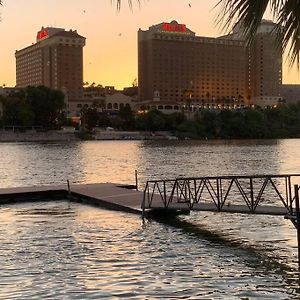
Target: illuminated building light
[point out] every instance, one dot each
(168, 27)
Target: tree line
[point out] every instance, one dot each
(33, 106)
(279, 122)
(41, 106)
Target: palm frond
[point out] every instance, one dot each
(289, 30)
(249, 13)
(129, 4)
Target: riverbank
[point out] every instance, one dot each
(72, 136)
(34, 136)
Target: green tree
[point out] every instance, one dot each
(103, 120)
(16, 110)
(152, 121)
(255, 124)
(126, 115)
(174, 119)
(209, 123)
(47, 105)
(89, 117)
(191, 129)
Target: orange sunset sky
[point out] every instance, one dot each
(110, 55)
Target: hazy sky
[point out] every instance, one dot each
(110, 55)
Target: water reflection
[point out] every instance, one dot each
(57, 250)
(115, 161)
(96, 254)
(211, 158)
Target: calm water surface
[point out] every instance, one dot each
(70, 251)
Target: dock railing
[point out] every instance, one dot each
(250, 191)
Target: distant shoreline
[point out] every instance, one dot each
(32, 136)
(71, 136)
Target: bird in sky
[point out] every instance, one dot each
(190, 5)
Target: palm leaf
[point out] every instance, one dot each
(286, 14)
(289, 30)
(129, 3)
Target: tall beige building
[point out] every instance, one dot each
(55, 61)
(265, 66)
(176, 65)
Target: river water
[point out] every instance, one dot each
(62, 250)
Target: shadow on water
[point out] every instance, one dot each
(254, 257)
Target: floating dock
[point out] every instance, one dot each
(184, 196)
(107, 195)
(120, 198)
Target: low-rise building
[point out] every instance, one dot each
(104, 99)
(166, 107)
(117, 101)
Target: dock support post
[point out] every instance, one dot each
(251, 195)
(296, 189)
(218, 194)
(136, 180)
(69, 193)
(144, 204)
(69, 190)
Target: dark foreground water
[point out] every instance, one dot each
(70, 251)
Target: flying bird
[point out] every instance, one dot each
(190, 5)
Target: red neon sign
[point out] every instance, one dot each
(174, 27)
(42, 34)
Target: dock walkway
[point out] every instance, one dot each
(106, 195)
(117, 197)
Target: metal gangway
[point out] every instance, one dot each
(253, 194)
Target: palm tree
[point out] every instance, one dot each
(249, 13)
(120, 1)
(286, 15)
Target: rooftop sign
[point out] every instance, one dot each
(171, 27)
(42, 34)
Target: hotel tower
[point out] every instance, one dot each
(176, 65)
(55, 61)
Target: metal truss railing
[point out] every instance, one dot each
(250, 190)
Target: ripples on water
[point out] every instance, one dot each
(70, 251)
(115, 161)
(61, 252)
